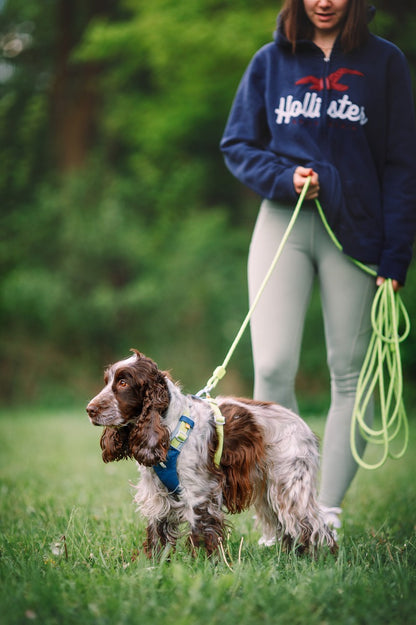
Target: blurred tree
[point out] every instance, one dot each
(120, 226)
(90, 255)
(170, 74)
(73, 95)
(397, 22)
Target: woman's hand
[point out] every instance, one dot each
(395, 284)
(299, 179)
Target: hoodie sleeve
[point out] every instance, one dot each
(246, 139)
(399, 176)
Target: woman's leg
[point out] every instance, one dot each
(347, 293)
(278, 320)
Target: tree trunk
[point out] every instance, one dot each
(74, 95)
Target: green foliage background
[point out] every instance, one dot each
(120, 225)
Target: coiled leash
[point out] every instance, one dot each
(382, 360)
(382, 367)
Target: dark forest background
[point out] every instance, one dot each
(120, 225)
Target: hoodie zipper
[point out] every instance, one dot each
(325, 97)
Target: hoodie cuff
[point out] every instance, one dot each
(392, 269)
(283, 189)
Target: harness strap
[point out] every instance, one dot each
(219, 426)
(181, 433)
(167, 471)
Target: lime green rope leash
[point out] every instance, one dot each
(362, 266)
(381, 367)
(382, 360)
(220, 371)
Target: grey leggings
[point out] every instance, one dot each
(346, 294)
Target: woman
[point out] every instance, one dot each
(329, 101)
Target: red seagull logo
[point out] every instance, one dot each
(330, 82)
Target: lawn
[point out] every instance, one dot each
(69, 529)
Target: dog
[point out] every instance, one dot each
(269, 460)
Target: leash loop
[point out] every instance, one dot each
(382, 368)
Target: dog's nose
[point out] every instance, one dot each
(92, 410)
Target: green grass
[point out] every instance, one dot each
(53, 484)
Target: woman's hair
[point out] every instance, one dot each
(354, 30)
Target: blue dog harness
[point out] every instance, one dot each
(167, 471)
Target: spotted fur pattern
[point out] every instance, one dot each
(270, 460)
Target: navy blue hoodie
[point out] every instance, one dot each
(350, 118)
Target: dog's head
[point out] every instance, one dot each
(130, 406)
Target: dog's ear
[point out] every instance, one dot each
(155, 393)
(115, 444)
(149, 438)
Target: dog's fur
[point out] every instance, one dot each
(270, 460)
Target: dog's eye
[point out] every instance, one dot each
(122, 383)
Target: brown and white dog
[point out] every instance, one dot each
(269, 460)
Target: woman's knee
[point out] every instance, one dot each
(275, 383)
